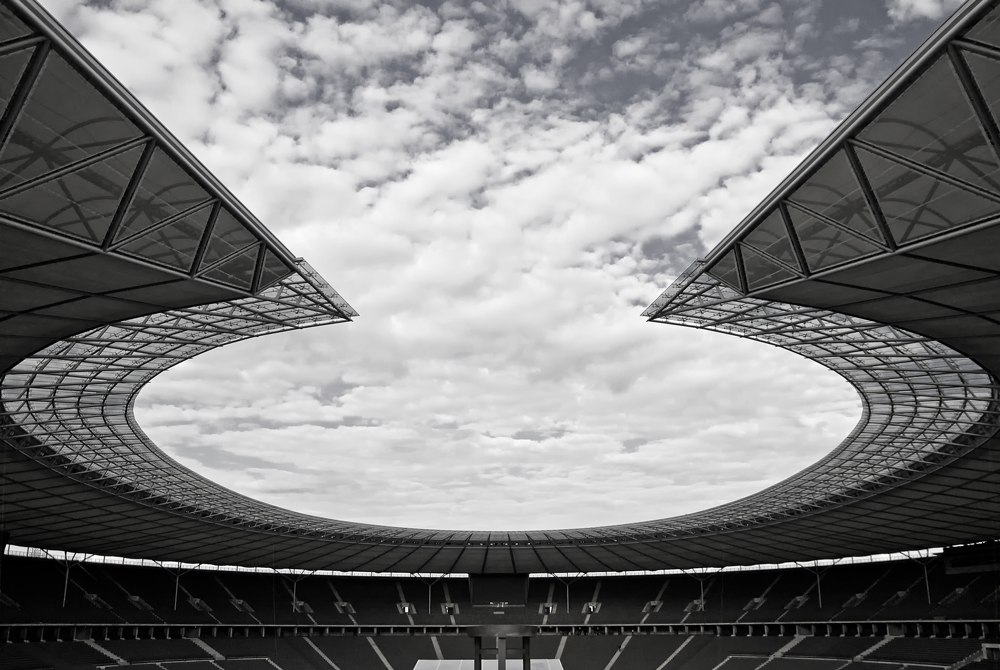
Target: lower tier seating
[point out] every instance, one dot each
(577, 652)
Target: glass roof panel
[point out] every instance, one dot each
(824, 245)
(771, 237)
(51, 133)
(916, 205)
(761, 271)
(165, 190)
(81, 203)
(987, 30)
(175, 244)
(228, 235)
(274, 270)
(10, 26)
(933, 123)
(11, 69)
(725, 271)
(238, 271)
(986, 72)
(834, 192)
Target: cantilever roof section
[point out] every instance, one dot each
(105, 215)
(916, 161)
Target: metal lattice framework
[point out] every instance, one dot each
(925, 404)
(123, 256)
(73, 400)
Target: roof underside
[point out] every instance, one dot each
(122, 256)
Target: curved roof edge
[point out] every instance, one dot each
(882, 269)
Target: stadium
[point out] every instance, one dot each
(122, 256)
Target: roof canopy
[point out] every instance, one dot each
(122, 256)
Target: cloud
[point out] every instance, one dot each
(499, 190)
(910, 10)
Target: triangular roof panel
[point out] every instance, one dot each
(50, 133)
(273, 270)
(916, 204)
(165, 190)
(237, 271)
(174, 244)
(834, 192)
(725, 270)
(771, 237)
(933, 123)
(11, 68)
(986, 72)
(11, 27)
(824, 245)
(987, 30)
(81, 203)
(762, 271)
(228, 235)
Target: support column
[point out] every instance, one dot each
(478, 659)
(501, 652)
(526, 655)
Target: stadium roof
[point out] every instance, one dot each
(123, 256)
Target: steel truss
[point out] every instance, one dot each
(924, 404)
(70, 406)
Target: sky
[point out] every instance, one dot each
(499, 189)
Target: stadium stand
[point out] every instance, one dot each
(938, 613)
(585, 650)
(139, 651)
(983, 665)
(131, 595)
(58, 656)
(358, 652)
(245, 664)
(647, 652)
(718, 649)
(927, 651)
(290, 653)
(739, 663)
(832, 647)
(403, 651)
(803, 664)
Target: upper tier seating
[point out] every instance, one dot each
(130, 595)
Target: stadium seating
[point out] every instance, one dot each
(983, 665)
(187, 665)
(55, 656)
(138, 651)
(832, 647)
(647, 652)
(122, 594)
(245, 664)
(804, 664)
(585, 650)
(128, 610)
(929, 651)
(20, 657)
